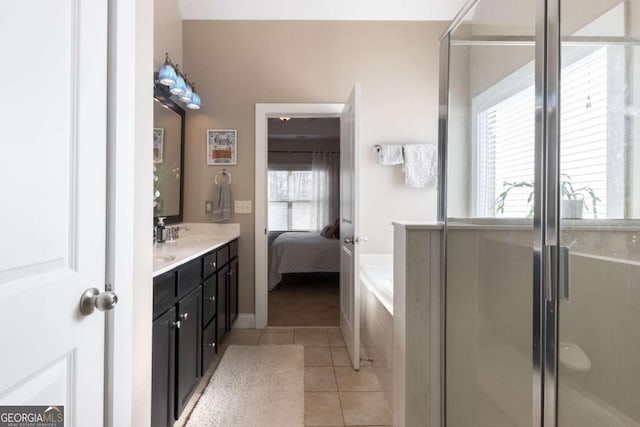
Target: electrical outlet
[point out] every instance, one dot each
(242, 206)
(208, 206)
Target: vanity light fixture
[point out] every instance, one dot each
(194, 104)
(169, 75)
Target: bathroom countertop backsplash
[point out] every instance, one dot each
(198, 240)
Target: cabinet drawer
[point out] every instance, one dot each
(208, 345)
(164, 293)
(233, 249)
(223, 255)
(189, 277)
(209, 300)
(210, 264)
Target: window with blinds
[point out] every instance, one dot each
(505, 141)
(290, 193)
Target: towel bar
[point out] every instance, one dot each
(222, 172)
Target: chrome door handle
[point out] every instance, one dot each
(92, 298)
(354, 240)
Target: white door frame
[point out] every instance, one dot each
(130, 213)
(263, 113)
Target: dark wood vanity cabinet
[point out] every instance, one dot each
(223, 304)
(194, 305)
(188, 347)
(163, 368)
(233, 291)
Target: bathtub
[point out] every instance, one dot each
(376, 317)
(376, 273)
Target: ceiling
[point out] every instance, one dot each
(322, 10)
(302, 129)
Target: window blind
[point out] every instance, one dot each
(506, 132)
(290, 194)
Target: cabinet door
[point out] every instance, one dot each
(209, 305)
(223, 303)
(233, 291)
(189, 343)
(163, 369)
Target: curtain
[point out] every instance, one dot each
(325, 203)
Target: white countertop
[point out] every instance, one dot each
(200, 239)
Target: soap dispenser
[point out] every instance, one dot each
(160, 230)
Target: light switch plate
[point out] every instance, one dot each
(242, 206)
(208, 206)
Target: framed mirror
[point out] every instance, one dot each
(168, 157)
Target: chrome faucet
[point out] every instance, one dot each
(173, 233)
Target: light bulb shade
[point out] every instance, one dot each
(194, 104)
(167, 75)
(186, 96)
(179, 87)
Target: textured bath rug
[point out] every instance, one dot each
(254, 386)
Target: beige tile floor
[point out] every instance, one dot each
(335, 394)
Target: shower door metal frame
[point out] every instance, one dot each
(546, 203)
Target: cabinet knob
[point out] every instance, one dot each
(212, 264)
(211, 344)
(184, 316)
(211, 298)
(176, 324)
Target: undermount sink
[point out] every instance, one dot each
(194, 236)
(163, 258)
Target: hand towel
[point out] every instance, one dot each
(420, 165)
(390, 154)
(222, 203)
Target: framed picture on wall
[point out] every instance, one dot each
(158, 145)
(222, 147)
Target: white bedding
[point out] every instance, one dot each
(299, 252)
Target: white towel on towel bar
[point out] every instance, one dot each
(420, 165)
(390, 154)
(222, 203)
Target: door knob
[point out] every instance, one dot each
(360, 239)
(348, 240)
(92, 298)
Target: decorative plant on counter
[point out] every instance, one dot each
(158, 173)
(573, 199)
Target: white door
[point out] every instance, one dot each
(52, 184)
(349, 259)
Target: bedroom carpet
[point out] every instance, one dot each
(254, 386)
(306, 300)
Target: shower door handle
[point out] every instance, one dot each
(563, 280)
(556, 260)
(550, 269)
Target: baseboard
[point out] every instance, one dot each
(245, 321)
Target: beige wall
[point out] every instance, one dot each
(240, 63)
(167, 32)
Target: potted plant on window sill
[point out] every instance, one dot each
(573, 199)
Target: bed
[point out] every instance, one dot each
(302, 252)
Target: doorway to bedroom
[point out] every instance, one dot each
(303, 205)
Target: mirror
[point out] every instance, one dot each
(168, 157)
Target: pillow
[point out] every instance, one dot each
(328, 231)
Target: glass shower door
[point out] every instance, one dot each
(490, 163)
(598, 359)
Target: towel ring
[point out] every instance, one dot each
(222, 172)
